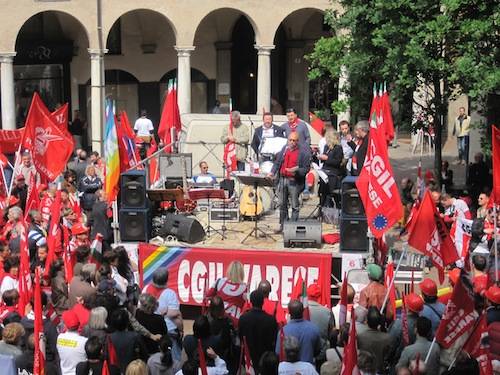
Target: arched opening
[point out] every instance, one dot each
(290, 87)
(225, 52)
(199, 89)
(51, 57)
(244, 67)
(140, 47)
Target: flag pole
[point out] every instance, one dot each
(430, 350)
(16, 164)
(495, 244)
(405, 249)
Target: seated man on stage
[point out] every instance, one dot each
(291, 166)
(267, 130)
(205, 177)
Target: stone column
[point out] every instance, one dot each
(264, 78)
(7, 90)
(184, 78)
(97, 85)
(342, 96)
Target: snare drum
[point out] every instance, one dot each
(266, 167)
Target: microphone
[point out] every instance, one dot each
(251, 122)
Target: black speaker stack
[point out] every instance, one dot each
(353, 225)
(134, 214)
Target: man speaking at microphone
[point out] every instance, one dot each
(291, 166)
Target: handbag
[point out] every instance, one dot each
(330, 214)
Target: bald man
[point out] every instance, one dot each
(290, 167)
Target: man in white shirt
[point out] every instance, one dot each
(70, 345)
(455, 208)
(143, 126)
(205, 177)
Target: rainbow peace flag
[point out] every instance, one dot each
(151, 258)
(111, 154)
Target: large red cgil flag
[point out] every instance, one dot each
(50, 146)
(460, 314)
(478, 347)
(39, 358)
(429, 235)
(376, 184)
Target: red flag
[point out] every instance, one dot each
(39, 361)
(25, 286)
(69, 262)
(111, 352)
(429, 235)
(33, 197)
(387, 113)
(459, 315)
(50, 147)
(154, 173)
(343, 302)
(350, 360)
(495, 155)
(299, 292)
(316, 123)
(478, 347)
(170, 121)
(404, 324)
(55, 218)
(129, 155)
(249, 370)
(60, 116)
(389, 275)
(105, 368)
(203, 360)
(282, 345)
(377, 188)
(229, 156)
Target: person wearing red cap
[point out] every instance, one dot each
(433, 309)
(79, 237)
(414, 305)
(322, 317)
(70, 345)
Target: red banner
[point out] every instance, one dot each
(190, 267)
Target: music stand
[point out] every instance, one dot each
(208, 194)
(163, 195)
(256, 180)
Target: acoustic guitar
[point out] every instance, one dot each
(247, 202)
(185, 205)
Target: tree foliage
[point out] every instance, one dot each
(443, 47)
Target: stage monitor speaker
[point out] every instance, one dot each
(302, 233)
(351, 203)
(171, 165)
(133, 189)
(353, 234)
(134, 224)
(186, 229)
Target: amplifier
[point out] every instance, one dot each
(302, 233)
(232, 214)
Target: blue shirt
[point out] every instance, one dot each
(308, 335)
(433, 316)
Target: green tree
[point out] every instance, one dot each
(445, 47)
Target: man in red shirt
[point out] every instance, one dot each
(291, 166)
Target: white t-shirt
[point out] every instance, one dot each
(459, 208)
(143, 126)
(71, 348)
(302, 368)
